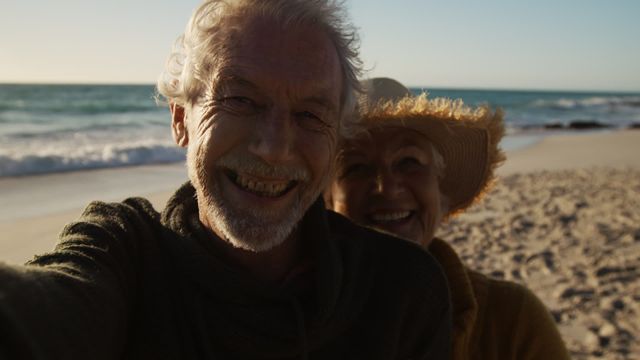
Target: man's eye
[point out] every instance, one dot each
(240, 102)
(310, 120)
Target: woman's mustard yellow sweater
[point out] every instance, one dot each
(494, 319)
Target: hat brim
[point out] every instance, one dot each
(466, 138)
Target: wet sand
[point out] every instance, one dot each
(34, 209)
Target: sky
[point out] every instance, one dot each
(492, 44)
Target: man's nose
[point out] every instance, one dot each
(273, 137)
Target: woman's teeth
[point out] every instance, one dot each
(390, 216)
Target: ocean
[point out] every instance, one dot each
(55, 128)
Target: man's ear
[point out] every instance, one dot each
(178, 125)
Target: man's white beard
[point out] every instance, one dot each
(253, 229)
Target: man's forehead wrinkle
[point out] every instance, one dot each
(308, 73)
(266, 43)
(232, 70)
(294, 89)
(242, 65)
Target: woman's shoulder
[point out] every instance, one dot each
(514, 312)
(506, 299)
(500, 290)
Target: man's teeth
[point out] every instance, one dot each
(390, 216)
(262, 188)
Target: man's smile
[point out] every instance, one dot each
(259, 186)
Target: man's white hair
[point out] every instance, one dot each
(190, 70)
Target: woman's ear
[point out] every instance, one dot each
(178, 125)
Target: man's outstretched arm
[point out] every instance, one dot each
(73, 303)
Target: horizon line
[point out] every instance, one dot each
(417, 87)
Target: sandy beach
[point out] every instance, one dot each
(35, 208)
(563, 219)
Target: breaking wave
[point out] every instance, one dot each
(51, 160)
(612, 102)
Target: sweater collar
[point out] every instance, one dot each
(181, 216)
(223, 284)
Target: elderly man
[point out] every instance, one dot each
(244, 262)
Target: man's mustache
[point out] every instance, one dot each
(253, 165)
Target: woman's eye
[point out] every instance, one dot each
(409, 163)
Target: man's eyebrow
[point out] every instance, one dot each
(234, 79)
(322, 101)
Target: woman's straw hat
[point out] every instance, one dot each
(467, 138)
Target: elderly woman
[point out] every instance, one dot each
(417, 162)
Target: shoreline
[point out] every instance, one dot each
(518, 139)
(617, 149)
(38, 195)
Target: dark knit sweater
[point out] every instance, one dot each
(125, 282)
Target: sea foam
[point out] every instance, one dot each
(590, 102)
(56, 159)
